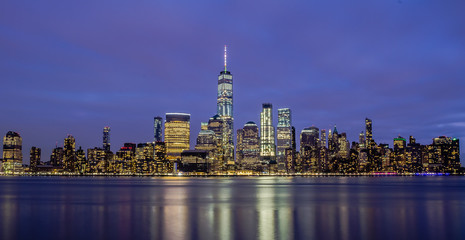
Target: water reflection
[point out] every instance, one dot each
(232, 208)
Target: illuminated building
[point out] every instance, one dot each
(361, 140)
(368, 132)
(289, 155)
(96, 160)
(399, 160)
(106, 139)
(444, 154)
(216, 124)
(69, 154)
(162, 165)
(81, 163)
(194, 161)
(267, 136)
(145, 159)
(284, 134)
(309, 137)
(204, 126)
(323, 138)
(206, 140)
(248, 146)
(344, 146)
(34, 159)
(225, 111)
(157, 129)
(177, 134)
(414, 155)
(56, 159)
(125, 159)
(12, 153)
(310, 149)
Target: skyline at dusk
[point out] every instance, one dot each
(74, 68)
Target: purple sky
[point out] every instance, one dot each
(73, 67)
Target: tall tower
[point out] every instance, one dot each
(106, 139)
(69, 154)
(368, 132)
(284, 132)
(267, 137)
(225, 109)
(157, 129)
(177, 134)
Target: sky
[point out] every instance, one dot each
(74, 67)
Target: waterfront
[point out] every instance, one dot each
(427, 207)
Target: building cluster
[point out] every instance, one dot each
(259, 150)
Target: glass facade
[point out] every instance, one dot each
(177, 134)
(157, 129)
(69, 155)
(284, 133)
(267, 135)
(248, 146)
(225, 112)
(12, 152)
(106, 139)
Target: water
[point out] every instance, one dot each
(232, 208)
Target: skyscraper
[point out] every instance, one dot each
(309, 148)
(309, 138)
(34, 158)
(177, 134)
(323, 138)
(12, 152)
(69, 154)
(106, 139)
(225, 110)
(284, 133)
(368, 132)
(56, 159)
(248, 148)
(157, 129)
(267, 137)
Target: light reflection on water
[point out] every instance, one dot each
(232, 208)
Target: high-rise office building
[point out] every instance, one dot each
(309, 137)
(323, 138)
(267, 136)
(96, 160)
(368, 133)
(56, 159)
(145, 158)
(400, 158)
(81, 163)
(309, 148)
(12, 152)
(225, 110)
(177, 134)
(445, 154)
(248, 146)
(157, 129)
(284, 133)
(69, 154)
(34, 158)
(106, 139)
(206, 140)
(361, 140)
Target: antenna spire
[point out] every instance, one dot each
(225, 57)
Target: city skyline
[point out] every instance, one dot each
(411, 90)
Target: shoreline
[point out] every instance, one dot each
(181, 175)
